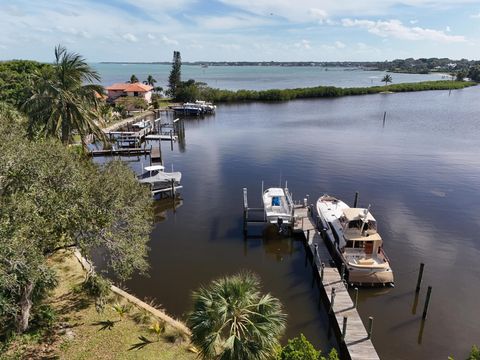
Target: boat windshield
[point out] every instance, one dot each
(357, 224)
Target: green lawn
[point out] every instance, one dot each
(80, 332)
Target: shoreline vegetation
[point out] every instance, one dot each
(226, 96)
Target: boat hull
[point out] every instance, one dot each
(379, 275)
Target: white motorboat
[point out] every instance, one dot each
(352, 233)
(156, 174)
(278, 205)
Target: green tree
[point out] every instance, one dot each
(150, 81)
(133, 79)
(474, 353)
(232, 320)
(299, 348)
(174, 79)
(474, 73)
(64, 99)
(387, 79)
(53, 199)
(15, 78)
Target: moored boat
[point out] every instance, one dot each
(353, 236)
(278, 206)
(156, 174)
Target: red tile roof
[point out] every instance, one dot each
(138, 87)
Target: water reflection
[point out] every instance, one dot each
(163, 207)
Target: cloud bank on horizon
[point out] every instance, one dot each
(241, 30)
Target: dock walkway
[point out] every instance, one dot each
(356, 339)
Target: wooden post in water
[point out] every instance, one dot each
(370, 327)
(355, 202)
(245, 210)
(344, 328)
(171, 140)
(420, 275)
(427, 301)
(321, 272)
(173, 188)
(384, 116)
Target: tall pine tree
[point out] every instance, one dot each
(175, 77)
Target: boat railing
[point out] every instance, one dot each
(290, 203)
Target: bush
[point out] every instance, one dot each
(300, 348)
(43, 317)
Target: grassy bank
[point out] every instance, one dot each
(223, 96)
(80, 332)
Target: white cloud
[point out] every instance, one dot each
(475, 16)
(304, 44)
(232, 21)
(167, 41)
(395, 28)
(413, 22)
(340, 45)
(448, 29)
(151, 36)
(319, 14)
(130, 37)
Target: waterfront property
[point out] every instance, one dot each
(137, 90)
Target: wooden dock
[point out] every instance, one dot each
(356, 340)
(121, 152)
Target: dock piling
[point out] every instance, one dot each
(344, 328)
(332, 300)
(420, 275)
(322, 269)
(370, 327)
(355, 202)
(427, 301)
(384, 117)
(356, 297)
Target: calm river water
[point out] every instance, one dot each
(256, 77)
(420, 173)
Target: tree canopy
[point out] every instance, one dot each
(53, 199)
(64, 99)
(175, 77)
(231, 319)
(15, 80)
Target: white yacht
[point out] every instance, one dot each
(156, 174)
(278, 205)
(353, 235)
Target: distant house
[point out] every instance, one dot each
(134, 90)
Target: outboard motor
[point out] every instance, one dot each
(280, 225)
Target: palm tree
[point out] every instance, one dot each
(133, 79)
(64, 99)
(150, 81)
(387, 79)
(232, 320)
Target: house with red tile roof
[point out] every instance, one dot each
(130, 89)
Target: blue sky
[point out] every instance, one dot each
(234, 30)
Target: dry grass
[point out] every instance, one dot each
(83, 333)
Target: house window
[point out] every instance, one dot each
(135, 93)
